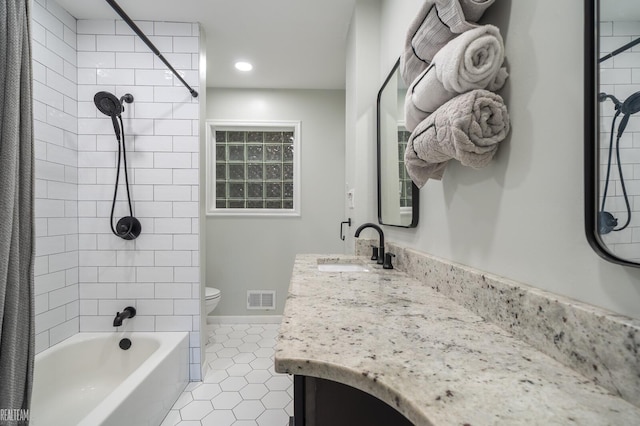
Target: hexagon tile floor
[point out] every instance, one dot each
(242, 388)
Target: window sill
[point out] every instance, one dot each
(253, 213)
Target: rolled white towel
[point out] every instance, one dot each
(437, 22)
(471, 61)
(467, 128)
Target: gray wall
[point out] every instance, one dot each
(257, 253)
(363, 41)
(522, 216)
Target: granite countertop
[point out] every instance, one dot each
(434, 361)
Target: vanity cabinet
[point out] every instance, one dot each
(322, 402)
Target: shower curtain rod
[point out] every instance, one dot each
(148, 42)
(619, 50)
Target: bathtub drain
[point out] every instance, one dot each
(125, 344)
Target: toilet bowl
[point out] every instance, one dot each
(212, 296)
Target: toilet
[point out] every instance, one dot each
(212, 296)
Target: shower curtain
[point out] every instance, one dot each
(16, 213)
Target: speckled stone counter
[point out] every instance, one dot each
(433, 360)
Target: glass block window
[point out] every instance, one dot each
(253, 168)
(405, 180)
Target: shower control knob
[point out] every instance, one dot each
(128, 228)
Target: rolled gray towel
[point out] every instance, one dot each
(468, 128)
(437, 22)
(472, 60)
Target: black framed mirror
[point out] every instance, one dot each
(398, 196)
(612, 129)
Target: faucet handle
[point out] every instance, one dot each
(374, 252)
(387, 260)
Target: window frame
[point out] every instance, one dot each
(246, 126)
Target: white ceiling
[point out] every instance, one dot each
(291, 43)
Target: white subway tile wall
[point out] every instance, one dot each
(55, 105)
(156, 273)
(620, 76)
(85, 274)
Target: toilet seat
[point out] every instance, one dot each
(212, 293)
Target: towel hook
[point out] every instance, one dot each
(348, 222)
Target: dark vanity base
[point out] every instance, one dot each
(320, 402)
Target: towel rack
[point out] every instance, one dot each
(348, 222)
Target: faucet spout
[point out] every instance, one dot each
(380, 238)
(128, 312)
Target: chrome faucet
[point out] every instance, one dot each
(380, 260)
(128, 312)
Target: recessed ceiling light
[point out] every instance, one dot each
(243, 66)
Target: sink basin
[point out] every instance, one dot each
(336, 264)
(342, 267)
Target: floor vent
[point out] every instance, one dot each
(261, 299)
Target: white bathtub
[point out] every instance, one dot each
(88, 380)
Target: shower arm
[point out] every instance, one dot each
(148, 42)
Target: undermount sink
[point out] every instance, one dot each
(341, 265)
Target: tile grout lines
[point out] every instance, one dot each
(242, 388)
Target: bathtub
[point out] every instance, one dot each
(88, 380)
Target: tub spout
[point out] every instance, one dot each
(128, 312)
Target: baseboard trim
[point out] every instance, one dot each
(244, 319)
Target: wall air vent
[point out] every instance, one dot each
(261, 299)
